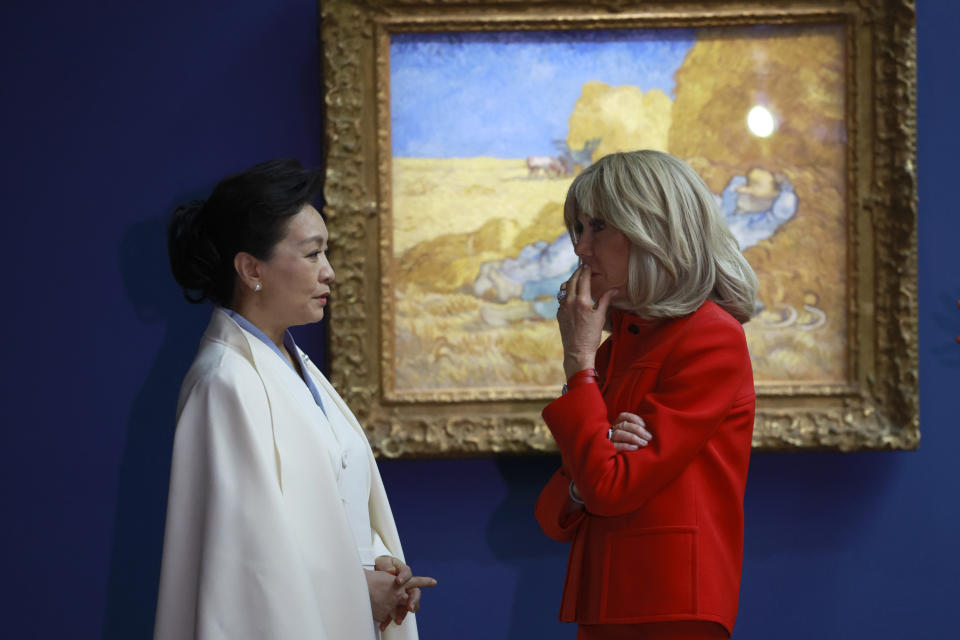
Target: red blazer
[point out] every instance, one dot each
(661, 535)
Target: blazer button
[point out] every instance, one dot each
(634, 329)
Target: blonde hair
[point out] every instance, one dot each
(682, 252)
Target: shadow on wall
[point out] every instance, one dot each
(539, 563)
(145, 465)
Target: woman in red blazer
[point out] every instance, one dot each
(655, 425)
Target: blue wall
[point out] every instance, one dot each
(113, 114)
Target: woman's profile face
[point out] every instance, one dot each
(297, 278)
(607, 252)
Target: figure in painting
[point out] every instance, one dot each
(754, 206)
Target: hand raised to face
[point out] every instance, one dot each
(581, 321)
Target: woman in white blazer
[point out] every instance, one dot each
(278, 526)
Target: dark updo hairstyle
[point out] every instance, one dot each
(247, 212)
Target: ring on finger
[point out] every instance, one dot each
(562, 293)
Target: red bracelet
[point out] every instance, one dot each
(587, 376)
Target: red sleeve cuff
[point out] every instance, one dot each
(569, 415)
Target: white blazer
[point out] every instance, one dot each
(257, 544)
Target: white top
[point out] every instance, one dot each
(353, 481)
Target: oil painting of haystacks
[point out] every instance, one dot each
(488, 130)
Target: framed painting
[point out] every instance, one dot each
(454, 130)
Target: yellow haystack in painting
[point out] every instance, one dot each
(799, 77)
(624, 118)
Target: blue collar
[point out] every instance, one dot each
(291, 346)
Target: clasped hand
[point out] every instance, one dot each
(629, 433)
(394, 590)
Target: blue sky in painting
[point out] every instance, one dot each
(510, 94)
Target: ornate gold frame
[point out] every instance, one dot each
(877, 409)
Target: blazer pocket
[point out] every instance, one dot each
(649, 572)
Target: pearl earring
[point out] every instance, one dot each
(258, 287)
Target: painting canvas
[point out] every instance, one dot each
(488, 129)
